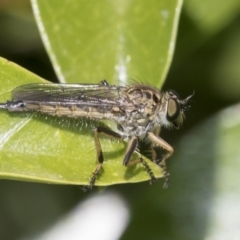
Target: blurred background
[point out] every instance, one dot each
(206, 60)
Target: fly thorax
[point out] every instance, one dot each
(139, 131)
(134, 126)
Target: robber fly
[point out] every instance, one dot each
(139, 110)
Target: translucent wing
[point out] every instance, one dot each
(72, 93)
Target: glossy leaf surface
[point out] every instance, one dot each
(54, 150)
(115, 40)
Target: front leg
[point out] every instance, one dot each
(162, 163)
(132, 146)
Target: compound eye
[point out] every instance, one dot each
(173, 110)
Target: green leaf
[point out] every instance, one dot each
(86, 41)
(204, 21)
(54, 150)
(227, 67)
(206, 176)
(204, 188)
(115, 40)
(210, 16)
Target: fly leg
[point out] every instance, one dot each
(132, 145)
(100, 157)
(157, 141)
